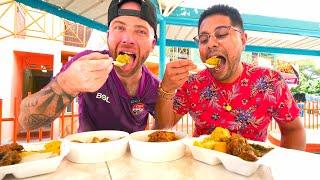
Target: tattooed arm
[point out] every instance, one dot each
(86, 74)
(43, 107)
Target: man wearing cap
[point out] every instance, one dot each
(110, 97)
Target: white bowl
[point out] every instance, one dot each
(97, 152)
(156, 151)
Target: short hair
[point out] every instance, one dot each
(224, 10)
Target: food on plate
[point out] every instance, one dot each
(51, 149)
(97, 140)
(162, 136)
(15, 153)
(260, 150)
(207, 143)
(216, 141)
(93, 140)
(214, 61)
(221, 140)
(220, 134)
(238, 146)
(53, 146)
(220, 146)
(9, 154)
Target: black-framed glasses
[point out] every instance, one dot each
(220, 33)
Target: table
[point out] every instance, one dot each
(312, 139)
(290, 164)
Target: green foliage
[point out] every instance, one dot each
(309, 78)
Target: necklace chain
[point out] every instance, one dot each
(227, 105)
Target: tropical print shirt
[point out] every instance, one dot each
(256, 97)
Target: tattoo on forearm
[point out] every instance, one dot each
(41, 108)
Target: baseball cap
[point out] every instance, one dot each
(147, 13)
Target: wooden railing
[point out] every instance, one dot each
(0, 120)
(309, 114)
(186, 124)
(27, 135)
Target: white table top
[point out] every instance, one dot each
(288, 164)
(312, 136)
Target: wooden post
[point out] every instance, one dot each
(182, 124)
(313, 113)
(0, 120)
(40, 134)
(28, 130)
(308, 111)
(188, 124)
(15, 120)
(51, 131)
(72, 114)
(62, 123)
(28, 135)
(318, 110)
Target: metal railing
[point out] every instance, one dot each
(34, 23)
(68, 122)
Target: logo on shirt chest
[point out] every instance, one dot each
(137, 106)
(103, 97)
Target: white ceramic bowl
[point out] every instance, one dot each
(156, 151)
(97, 152)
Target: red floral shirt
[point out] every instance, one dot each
(256, 97)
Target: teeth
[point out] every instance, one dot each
(129, 53)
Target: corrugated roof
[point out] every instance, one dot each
(97, 10)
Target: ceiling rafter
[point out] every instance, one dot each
(181, 16)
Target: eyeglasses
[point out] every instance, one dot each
(220, 33)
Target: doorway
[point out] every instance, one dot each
(32, 72)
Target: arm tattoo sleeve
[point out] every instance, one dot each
(43, 107)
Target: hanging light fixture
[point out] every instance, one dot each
(44, 69)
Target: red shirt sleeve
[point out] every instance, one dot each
(285, 108)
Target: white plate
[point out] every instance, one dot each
(230, 162)
(35, 167)
(156, 151)
(97, 152)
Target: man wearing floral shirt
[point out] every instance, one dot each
(234, 95)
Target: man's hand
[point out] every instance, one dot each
(87, 74)
(177, 72)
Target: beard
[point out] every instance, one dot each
(138, 60)
(136, 69)
(230, 73)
